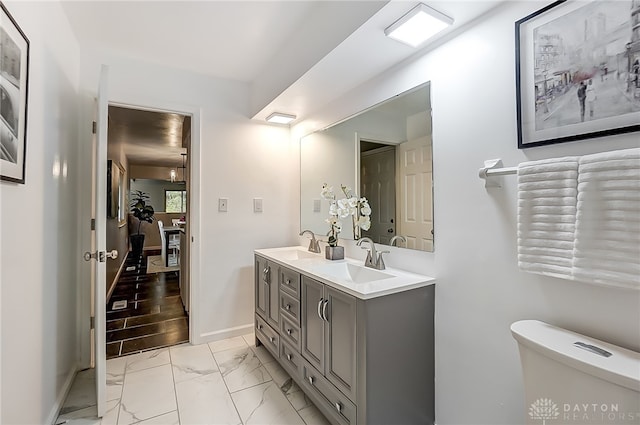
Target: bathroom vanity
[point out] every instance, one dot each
(358, 341)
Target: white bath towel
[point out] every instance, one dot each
(547, 197)
(607, 247)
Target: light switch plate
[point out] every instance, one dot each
(316, 205)
(257, 205)
(223, 204)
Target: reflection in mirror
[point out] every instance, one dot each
(384, 154)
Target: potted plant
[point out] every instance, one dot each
(350, 206)
(142, 212)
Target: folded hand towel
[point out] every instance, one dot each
(547, 196)
(608, 219)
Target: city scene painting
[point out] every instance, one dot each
(14, 51)
(578, 71)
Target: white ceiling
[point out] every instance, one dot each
(297, 55)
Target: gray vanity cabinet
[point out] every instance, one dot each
(328, 331)
(360, 360)
(266, 296)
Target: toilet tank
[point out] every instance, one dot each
(571, 378)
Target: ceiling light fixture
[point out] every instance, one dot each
(418, 25)
(280, 118)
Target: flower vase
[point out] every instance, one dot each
(334, 252)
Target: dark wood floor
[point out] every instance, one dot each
(154, 316)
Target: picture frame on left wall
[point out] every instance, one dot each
(14, 89)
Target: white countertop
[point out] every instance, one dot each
(392, 280)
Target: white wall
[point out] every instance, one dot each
(238, 159)
(38, 224)
(480, 290)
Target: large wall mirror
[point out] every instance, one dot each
(384, 154)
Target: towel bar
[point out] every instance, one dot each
(493, 169)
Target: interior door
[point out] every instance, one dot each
(378, 185)
(99, 250)
(415, 200)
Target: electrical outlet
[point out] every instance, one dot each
(257, 205)
(223, 204)
(316, 205)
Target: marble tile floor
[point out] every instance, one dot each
(224, 382)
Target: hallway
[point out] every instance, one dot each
(145, 310)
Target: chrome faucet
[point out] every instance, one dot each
(314, 246)
(374, 258)
(395, 238)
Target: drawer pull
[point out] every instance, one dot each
(339, 407)
(259, 327)
(289, 357)
(272, 339)
(288, 307)
(311, 380)
(289, 331)
(288, 281)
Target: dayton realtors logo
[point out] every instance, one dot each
(544, 409)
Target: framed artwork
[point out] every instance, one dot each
(14, 83)
(577, 71)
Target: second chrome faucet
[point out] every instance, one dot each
(374, 258)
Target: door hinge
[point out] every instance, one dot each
(94, 127)
(93, 224)
(92, 322)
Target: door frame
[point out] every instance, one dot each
(194, 224)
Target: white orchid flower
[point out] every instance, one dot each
(364, 222)
(365, 210)
(327, 192)
(353, 202)
(333, 208)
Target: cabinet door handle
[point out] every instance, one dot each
(288, 307)
(288, 281)
(259, 327)
(272, 339)
(266, 274)
(311, 380)
(289, 357)
(319, 307)
(339, 407)
(324, 310)
(289, 331)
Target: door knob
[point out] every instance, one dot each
(101, 256)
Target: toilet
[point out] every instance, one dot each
(570, 378)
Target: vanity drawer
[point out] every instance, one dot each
(333, 402)
(268, 336)
(290, 281)
(290, 307)
(290, 359)
(289, 332)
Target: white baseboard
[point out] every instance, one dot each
(115, 279)
(62, 396)
(224, 333)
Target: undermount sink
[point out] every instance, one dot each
(294, 254)
(351, 272)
